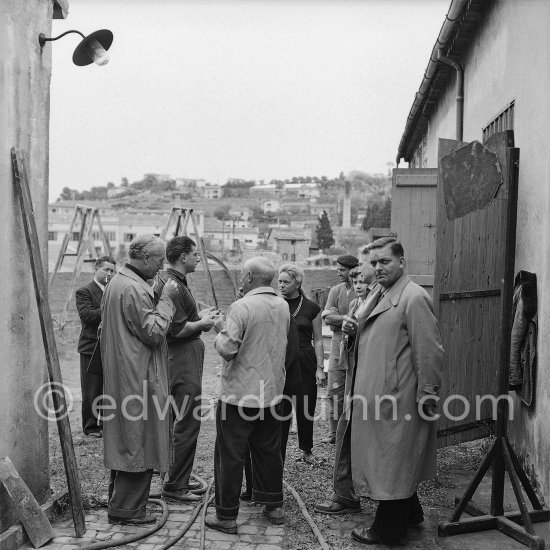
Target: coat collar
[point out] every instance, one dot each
(391, 297)
(135, 277)
(261, 290)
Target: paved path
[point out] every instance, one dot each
(256, 533)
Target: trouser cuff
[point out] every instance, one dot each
(227, 513)
(126, 514)
(267, 499)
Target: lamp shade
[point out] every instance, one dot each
(81, 55)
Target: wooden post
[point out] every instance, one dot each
(104, 237)
(204, 258)
(30, 513)
(46, 326)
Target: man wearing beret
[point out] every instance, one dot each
(336, 309)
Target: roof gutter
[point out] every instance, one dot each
(421, 96)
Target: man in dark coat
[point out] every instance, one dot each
(88, 302)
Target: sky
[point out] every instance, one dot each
(253, 89)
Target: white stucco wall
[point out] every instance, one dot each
(509, 60)
(24, 120)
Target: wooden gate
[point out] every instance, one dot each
(413, 220)
(476, 223)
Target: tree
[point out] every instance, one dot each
(221, 213)
(325, 237)
(377, 215)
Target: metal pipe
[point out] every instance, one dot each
(459, 92)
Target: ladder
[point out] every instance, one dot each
(181, 216)
(87, 214)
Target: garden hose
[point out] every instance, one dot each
(133, 538)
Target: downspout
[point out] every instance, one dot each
(451, 19)
(459, 92)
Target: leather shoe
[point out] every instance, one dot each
(181, 496)
(228, 526)
(367, 535)
(196, 488)
(274, 515)
(331, 439)
(97, 435)
(147, 519)
(336, 508)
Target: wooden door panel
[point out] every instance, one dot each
(471, 280)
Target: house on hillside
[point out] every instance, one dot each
(271, 206)
(212, 191)
(501, 50)
(266, 190)
(302, 190)
(228, 237)
(240, 213)
(293, 246)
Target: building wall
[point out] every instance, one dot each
(24, 119)
(503, 66)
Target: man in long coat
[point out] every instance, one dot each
(134, 354)
(387, 438)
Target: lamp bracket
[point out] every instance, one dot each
(42, 37)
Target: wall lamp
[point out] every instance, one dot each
(92, 48)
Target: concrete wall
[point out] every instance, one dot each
(24, 120)
(509, 60)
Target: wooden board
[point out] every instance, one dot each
(27, 509)
(413, 219)
(470, 294)
(22, 191)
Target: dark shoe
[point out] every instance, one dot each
(197, 488)
(181, 496)
(147, 519)
(331, 439)
(95, 434)
(309, 458)
(274, 515)
(335, 509)
(367, 535)
(228, 526)
(245, 495)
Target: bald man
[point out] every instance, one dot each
(253, 346)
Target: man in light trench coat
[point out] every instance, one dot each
(386, 440)
(134, 355)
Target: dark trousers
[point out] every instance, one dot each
(392, 516)
(92, 387)
(237, 429)
(305, 402)
(128, 493)
(186, 362)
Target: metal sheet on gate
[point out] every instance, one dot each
(470, 177)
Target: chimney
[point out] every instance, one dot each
(346, 207)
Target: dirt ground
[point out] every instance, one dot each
(313, 482)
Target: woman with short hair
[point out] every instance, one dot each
(307, 316)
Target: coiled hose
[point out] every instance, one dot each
(201, 506)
